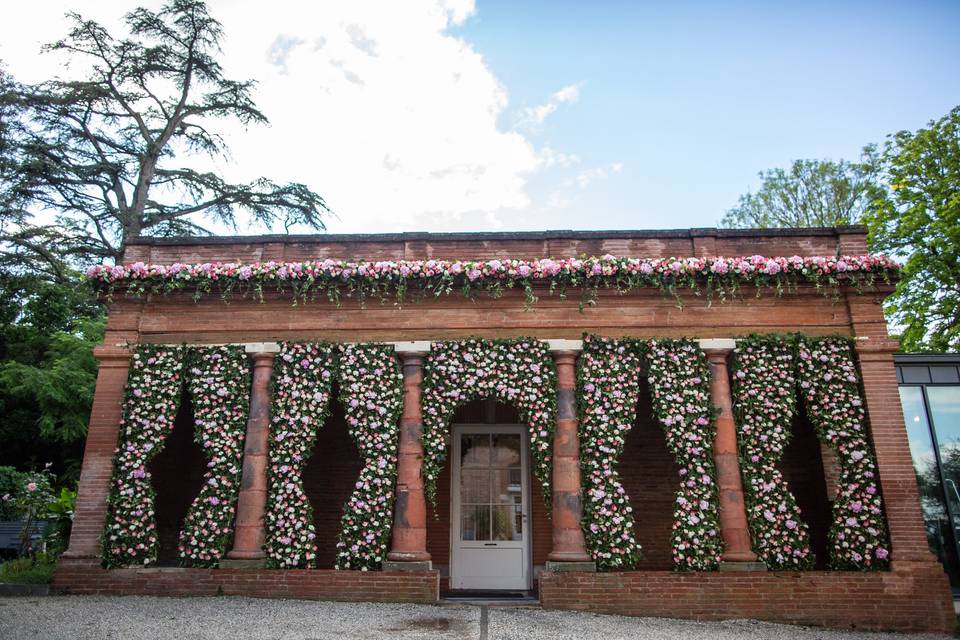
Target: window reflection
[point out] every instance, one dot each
(940, 534)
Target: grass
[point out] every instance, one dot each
(27, 571)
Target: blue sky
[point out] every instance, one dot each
(461, 115)
(695, 98)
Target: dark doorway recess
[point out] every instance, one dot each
(802, 467)
(650, 475)
(329, 478)
(177, 477)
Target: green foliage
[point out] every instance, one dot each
(914, 214)
(38, 570)
(104, 152)
(813, 193)
(10, 482)
(47, 369)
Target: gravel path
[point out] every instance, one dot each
(141, 618)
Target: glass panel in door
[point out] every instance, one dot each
(491, 487)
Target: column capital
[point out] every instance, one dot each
(565, 346)
(718, 356)
(113, 355)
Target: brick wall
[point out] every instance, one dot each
(908, 601)
(87, 578)
(329, 479)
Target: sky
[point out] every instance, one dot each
(463, 115)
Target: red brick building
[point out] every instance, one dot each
(491, 528)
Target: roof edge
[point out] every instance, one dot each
(561, 234)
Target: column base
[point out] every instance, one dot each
(588, 566)
(243, 563)
(740, 565)
(407, 565)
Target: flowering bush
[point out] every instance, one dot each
(302, 376)
(607, 390)
(30, 500)
(219, 383)
(679, 377)
(151, 400)
(392, 279)
(520, 372)
(764, 392)
(371, 391)
(829, 384)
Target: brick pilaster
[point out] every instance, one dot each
(97, 470)
(898, 480)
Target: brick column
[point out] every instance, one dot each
(569, 548)
(881, 395)
(409, 549)
(733, 514)
(248, 533)
(97, 470)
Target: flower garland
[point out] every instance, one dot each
(829, 384)
(764, 395)
(607, 393)
(392, 279)
(520, 372)
(151, 400)
(219, 385)
(679, 377)
(371, 391)
(303, 373)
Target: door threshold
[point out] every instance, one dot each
(491, 598)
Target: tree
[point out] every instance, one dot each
(814, 193)
(914, 214)
(47, 369)
(100, 156)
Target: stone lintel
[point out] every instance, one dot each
(411, 346)
(718, 343)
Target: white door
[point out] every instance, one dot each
(490, 532)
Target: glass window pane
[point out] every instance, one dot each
(475, 522)
(940, 535)
(945, 412)
(508, 522)
(507, 487)
(506, 450)
(475, 486)
(475, 450)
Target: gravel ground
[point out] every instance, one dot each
(141, 618)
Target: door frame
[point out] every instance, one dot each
(456, 430)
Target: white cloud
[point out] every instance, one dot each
(585, 177)
(533, 117)
(376, 105)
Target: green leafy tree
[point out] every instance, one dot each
(103, 157)
(914, 214)
(812, 193)
(47, 369)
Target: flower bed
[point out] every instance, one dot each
(830, 386)
(151, 400)
(219, 385)
(679, 377)
(520, 372)
(371, 391)
(333, 279)
(764, 393)
(608, 373)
